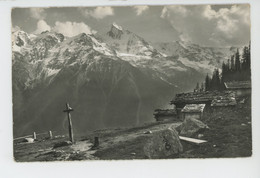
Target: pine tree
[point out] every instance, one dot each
(218, 85)
(224, 71)
(232, 65)
(202, 87)
(237, 61)
(228, 65)
(197, 87)
(213, 82)
(249, 57)
(207, 83)
(244, 58)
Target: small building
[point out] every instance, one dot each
(224, 101)
(241, 88)
(194, 111)
(165, 115)
(182, 99)
(205, 97)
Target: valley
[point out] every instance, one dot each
(115, 79)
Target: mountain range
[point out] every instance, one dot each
(112, 79)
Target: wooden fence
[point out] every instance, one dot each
(34, 135)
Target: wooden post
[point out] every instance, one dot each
(68, 110)
(34, 135)
(50, 134)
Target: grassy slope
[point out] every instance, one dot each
(229, 136)
(230, 133)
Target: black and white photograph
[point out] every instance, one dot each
(131, 82)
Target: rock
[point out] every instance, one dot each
(61, 144)
(242, 101)
(178, 128)
(162, 144)
(200, 135)
(148, 132)
(29, 140)
(191, 127)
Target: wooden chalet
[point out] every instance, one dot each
(192, 111)
(209, 98)
(241, 88)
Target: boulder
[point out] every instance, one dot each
(200, 135)
(29, 140)
(191, 127)
(148, 132)
(162, 144)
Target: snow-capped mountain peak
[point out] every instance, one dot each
(115, 66)
(19, 39)
(116, 31)
(117, 26)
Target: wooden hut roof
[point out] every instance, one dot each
(193, 108)
(214, 98)
(224, 101)
(238, 85)
(164, 112)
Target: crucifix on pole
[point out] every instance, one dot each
(68, 110)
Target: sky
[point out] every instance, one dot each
(206, 25)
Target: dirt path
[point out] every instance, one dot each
(81, 150)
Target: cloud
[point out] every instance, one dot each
(203, 25)
(181, 10)
(72, 28)
(42, 26)
(140, 9)
(38, 13)
(98, 13)
(67, 28)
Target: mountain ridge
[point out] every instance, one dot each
(111, 81)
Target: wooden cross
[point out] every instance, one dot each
(68, 110)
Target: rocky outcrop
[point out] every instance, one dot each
(28, 140)
(163, 144)
(191, 127)
(115, 31)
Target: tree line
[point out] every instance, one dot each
(237, 68)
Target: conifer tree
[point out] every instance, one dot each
(217, 79)
(232, 65)
(202, 87)
(197, 87)
(234, 69)
(207, 83)
(224, 71)
(249, 57)
(244, 58)
(237, 61)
